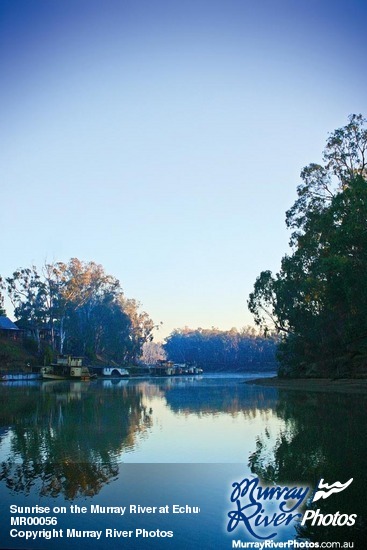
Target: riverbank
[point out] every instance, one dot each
(15, 357)
(342, 385)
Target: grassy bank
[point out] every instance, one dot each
(14, 356)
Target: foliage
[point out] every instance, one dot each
(152, 352)
(69, 442)
(16, 357)
(221, 350)
(318, 300)
(2, 310)
(77, 308)
(305, 448)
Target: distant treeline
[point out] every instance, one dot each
(76, 308)
(219, 350)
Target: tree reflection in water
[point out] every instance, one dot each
(69, 440)
(324, 437)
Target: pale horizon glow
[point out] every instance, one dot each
(165, 140)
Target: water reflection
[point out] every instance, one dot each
(211, 396)
(323, 436)
(66, 437)
(69, 439)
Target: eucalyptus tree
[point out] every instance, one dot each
(82, 287)
(142, 328)
(95, 317)
(81, 309)
(2, 309)
(318, 300)
(152, 352)
(27, 292)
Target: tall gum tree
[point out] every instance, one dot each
(318, 299)
(81, 310)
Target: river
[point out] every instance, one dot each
(167, 451)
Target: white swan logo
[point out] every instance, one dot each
(323, 490)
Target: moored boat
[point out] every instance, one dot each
(66, 367)
(115, 372)
(110, 371)
(169, 368)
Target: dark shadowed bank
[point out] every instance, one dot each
(341, 385)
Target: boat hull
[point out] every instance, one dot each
(54, 376)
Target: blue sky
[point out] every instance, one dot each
(165, 139)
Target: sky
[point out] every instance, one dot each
(164, 139)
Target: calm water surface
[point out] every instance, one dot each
(159, 442)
